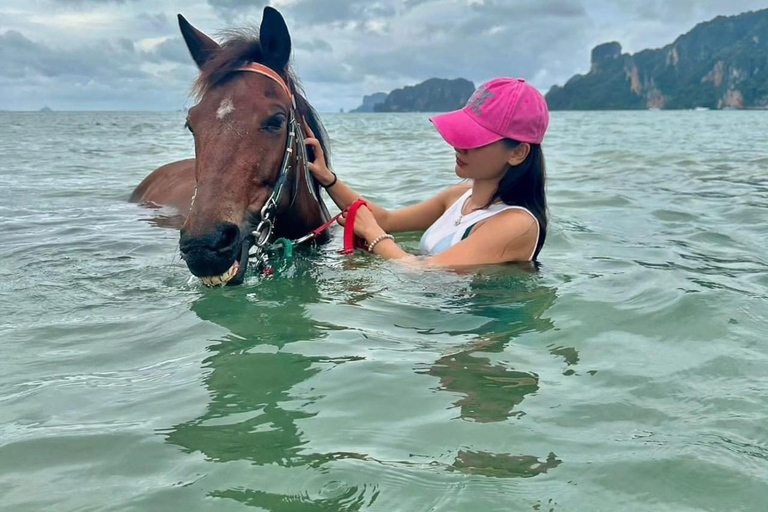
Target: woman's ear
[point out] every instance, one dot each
(519, 154)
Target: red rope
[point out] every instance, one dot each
(317, 232)
(351, 241)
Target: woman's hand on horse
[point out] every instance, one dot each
(317, 167)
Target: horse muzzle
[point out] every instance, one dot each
(219, 257)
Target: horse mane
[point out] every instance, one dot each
(240, 47)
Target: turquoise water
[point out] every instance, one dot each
(628, 374)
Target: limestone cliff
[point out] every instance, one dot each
(722, 63)
(369, 102)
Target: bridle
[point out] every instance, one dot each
(294, 144)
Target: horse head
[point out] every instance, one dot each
(247, 128)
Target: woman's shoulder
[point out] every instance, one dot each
(510, 222)
(452, 194)
(514, 231)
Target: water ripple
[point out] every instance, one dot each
(627, 372)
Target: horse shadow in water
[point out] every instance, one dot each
(250, 160)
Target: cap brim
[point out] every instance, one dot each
(462, 132)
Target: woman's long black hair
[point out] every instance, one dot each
(524, 185)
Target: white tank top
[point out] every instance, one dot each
(452, 227)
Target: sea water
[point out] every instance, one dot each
(628, 373)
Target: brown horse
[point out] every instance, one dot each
(248, 182)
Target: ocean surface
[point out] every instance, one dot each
(630, 372)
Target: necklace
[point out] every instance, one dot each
(461, 212)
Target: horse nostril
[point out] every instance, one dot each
(211, 253)
(227, 235)
(223, 239)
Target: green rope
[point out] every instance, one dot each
(286, 245)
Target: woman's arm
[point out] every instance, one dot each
(507, 236)
(417, 217)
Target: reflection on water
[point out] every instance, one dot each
(514, 305)
(491, 391)
(503, 466)
(247, 418)
(261, 395)
(252, 413)
(350, 499)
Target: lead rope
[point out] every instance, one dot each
(351, 241)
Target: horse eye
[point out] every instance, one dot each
(275, 122)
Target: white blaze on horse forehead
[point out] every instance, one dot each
(226, 108)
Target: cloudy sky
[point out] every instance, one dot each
(128, 55)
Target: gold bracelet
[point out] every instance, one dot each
(379, 239)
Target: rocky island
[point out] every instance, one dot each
(369, 102)
(433, 95)
(719, 64)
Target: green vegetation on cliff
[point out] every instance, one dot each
(722, 63)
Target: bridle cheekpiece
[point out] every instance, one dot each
(263, 231)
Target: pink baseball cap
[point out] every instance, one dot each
(504, 108)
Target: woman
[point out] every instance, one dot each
(500, 216)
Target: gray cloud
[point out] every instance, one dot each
(128, 53)
(416, 3)
(679, 10)
(531, 9)
(173, 50)
(339, 11)
(81, 2)
(237, 10)
(125, 44)
(479, 41)
(328, 71)
(154, 22)
(92, 73)
(21, 56)
(312, 46)
(482, 41)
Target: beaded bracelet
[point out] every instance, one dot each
(335, 179)
(379, 239)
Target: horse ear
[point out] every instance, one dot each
(274, 39)
(200, 46)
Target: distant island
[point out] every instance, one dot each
(371, 101)
(433, 95)
(719, 64)
(46, 109)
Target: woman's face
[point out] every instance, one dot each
(488, 162)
